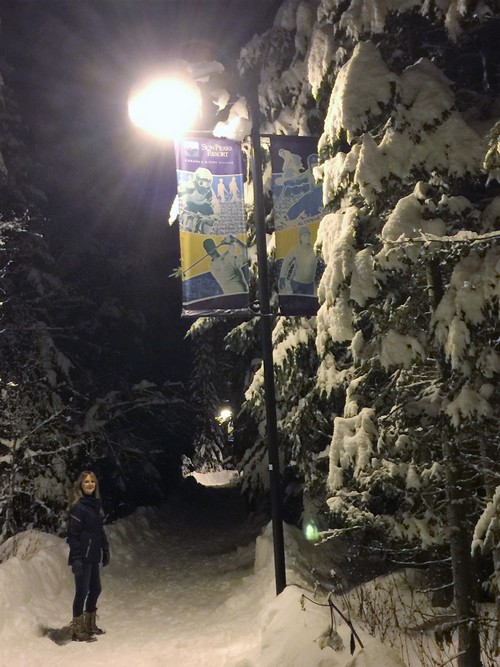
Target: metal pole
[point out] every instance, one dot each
(267, 344)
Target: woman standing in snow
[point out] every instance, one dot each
(88, 547)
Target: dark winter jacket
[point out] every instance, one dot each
(86, 537)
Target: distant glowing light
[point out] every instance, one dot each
(224, 415)
(165, 107)
(311, 532)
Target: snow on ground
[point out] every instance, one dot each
(188, 585)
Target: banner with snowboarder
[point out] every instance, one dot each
(298, 209)
(214, 260)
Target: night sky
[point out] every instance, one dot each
(72, 64)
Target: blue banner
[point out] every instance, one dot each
(298, 209)
(214, 260)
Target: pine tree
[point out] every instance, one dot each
(70, 396)
(37, 445)
(407, 367)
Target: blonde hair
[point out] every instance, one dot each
(77, 492)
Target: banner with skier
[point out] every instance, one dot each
(298, 209)
(214, 260)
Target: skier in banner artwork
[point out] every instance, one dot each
(222, 192)
(199, 206)
(298, 271)
(233, 190)
(88, 548)
(226, 267)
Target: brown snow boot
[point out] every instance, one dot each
(91, 628)
(78, 630)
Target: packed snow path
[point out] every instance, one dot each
(170, 601)
(165, 593)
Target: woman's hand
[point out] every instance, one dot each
(77, 568)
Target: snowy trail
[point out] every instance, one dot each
(166, 595)
(180, 599)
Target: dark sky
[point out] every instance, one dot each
(75, 62)
(72, 64)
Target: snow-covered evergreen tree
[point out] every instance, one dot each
(407, 333)
(36, 443)
(67, 390)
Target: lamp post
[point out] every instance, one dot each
(266, 340)
(165, 101)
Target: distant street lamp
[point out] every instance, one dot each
(225, 419)
(224, 415)
(147, 119)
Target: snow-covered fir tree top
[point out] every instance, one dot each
(400, 156)
(369, 16)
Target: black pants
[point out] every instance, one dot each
(87, 589)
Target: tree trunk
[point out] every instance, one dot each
(464, 584)
(464, 580)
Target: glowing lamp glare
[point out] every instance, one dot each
(165, 108)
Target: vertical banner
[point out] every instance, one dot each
(214, 259)
(298, 209)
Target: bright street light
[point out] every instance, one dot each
(165, 107)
